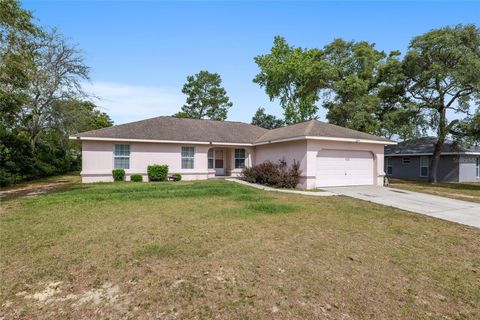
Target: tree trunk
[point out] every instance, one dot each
(441, 135)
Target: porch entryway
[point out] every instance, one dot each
(218, 161)
(226, 161)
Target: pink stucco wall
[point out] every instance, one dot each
(290, 151)
(306, 152)
(97, 159)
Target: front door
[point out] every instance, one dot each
(219, 162)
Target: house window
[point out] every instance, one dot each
(478, 167)
(389, 166)
(405, 160)
(210, 158)
(188, 155)
(239, 158)
(121, 156)
(424, 166)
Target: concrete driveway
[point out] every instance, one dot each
(463, 212)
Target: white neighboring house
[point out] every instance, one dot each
(329, 155)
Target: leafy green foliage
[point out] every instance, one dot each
(442, 73)
(265, 120)
(136, 178)
(157, 172)
(41, 102)
(206, 98)
(286, 74)
(359, 85)
(181, 115)
(468, 130)
(177, 176)
(118, 174)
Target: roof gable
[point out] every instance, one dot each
(315, 128)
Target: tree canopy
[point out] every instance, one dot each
(369, 90)
(267, 121)
(206, 98)
(357, 84)
(286, 73)
(41, 100)
(442, 74)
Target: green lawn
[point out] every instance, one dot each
(217, 249)
(460, 191)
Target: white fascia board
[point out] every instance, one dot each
(231, 144)
(351, 140)
(156, 141)
(280, 140)
(135, 140)
(328, 139)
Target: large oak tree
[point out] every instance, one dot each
(442, 75)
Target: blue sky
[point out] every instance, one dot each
(141, 52)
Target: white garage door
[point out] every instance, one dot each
(344, 168)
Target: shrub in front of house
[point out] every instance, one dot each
(136, 178)
(118, 174)
(278, 175)
(157, 172)
(177, 176)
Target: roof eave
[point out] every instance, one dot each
(351, 140)
(78, 138)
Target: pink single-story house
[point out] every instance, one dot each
(329, 155)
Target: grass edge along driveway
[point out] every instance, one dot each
(466, 191)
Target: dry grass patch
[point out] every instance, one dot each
(217, 249)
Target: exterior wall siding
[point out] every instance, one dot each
(98, 157)
(306, 153)
(467, 169)
(448, 169)
(290, 151)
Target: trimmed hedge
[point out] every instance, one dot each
(157, 172)
(136, 178)
(278, 175)
(118, 174)
(177, 176)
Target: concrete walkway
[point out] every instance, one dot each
(305, 193)
(463, 212)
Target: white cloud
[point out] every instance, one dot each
(126, 103)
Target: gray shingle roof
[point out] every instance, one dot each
(426, 146)
(181, 129)
(184, 129)
(318, 129)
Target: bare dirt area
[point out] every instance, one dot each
(38, 187)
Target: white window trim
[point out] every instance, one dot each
(235, 158)
(422, 166)
(212, 157)
(182, 157)
(122, 157)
